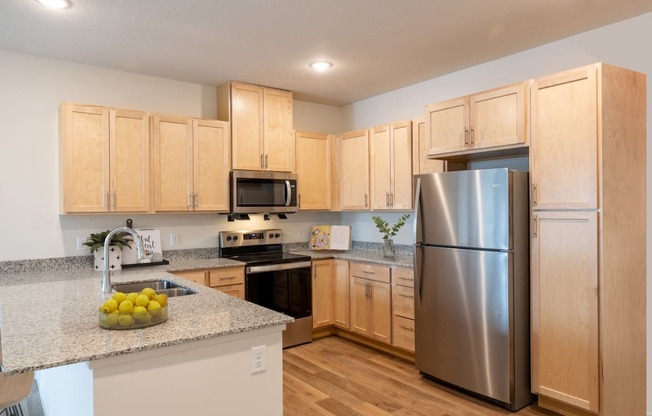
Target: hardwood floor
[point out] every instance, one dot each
(333, 376)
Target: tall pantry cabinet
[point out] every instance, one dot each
(588, 241)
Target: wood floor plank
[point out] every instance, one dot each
(333, 376)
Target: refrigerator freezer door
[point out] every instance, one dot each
(464, 209)
(464, 320)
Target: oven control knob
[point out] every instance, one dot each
(277, 235)
(235, 238)
(228, 238)
(271, 235)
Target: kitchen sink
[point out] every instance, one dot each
(167, 287)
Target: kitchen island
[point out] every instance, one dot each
(195, 363)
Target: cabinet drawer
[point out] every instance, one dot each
(233, 290)
(226, 276)
(402, 276)
(403, 301)
(198, 276)
(403, 333)
(369, 271)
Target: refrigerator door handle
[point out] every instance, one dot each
(417, 213)
(418, 273)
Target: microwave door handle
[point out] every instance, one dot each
(288, 193)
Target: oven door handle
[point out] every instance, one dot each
(277, 267)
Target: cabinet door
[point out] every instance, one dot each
(354, 164)
(237, 291)
(313, 168)
(380, 161)
(278, 133)
(401, 167)
(360, 306)
(420, 162)
(172, 147)
(341, 297)
(498, 117)
(210, 165)
(564, 142)
(403, 332)
(85, 158)
(565, 307)
(129, 161)
(247, 126)
(447, 126)
(381, 311)
(322, 293)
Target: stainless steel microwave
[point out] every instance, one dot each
(262, 192)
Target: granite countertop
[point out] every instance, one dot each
(48, 312)
(49, 319)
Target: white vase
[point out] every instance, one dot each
(115, 259)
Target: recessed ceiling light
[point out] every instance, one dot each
(320, 65)
(55, 4)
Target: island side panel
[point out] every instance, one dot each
(198, 378)
(66, 390)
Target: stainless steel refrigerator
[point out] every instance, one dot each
(472, 319)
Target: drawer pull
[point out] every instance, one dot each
(406, 327)
(406, 296)
(409, 279)
(227, 277)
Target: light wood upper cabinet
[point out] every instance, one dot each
(354, 170)
(190, 164)
(391, 166)
(420, 162)
(564, 143)
(565, 308)
(104, 160)
(491, 119)
(262, 137)
(322, 293)
(313, 168)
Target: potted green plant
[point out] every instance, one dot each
(96, 243)
(389, 250)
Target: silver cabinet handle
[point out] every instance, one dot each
(406, 327)
(472, 135)
(266, 160)
(386, 199)
(366, 197)
(196, 200)
(534, 194)
(466, 137)
(190, 201)
(405, 296)
(391, 199)
(262, 161)
(534, 226)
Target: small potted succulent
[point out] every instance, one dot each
(389, 250)
(96, 243)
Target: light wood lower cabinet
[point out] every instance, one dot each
(322, 293)
(229, 280)
(565, 305)
(370, 301)
(341, 294)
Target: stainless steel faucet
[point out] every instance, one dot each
(106, 279)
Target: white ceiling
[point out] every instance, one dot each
(376, 45)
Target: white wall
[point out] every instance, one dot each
(619, 44)
(32, 90)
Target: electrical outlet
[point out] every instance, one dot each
(80, 244)
(174, 239)
(258, 359)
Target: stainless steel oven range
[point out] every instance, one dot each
(274, 279)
